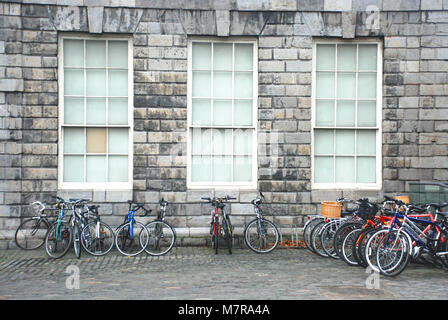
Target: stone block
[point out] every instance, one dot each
(222, 23)
(11, 85)
(95, 18)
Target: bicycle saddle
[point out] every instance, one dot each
(438, 205)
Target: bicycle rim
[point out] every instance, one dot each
(30, 235)
(161, 238)
(97, 238)
(131, 238)
(347, 246)
(315, 239)
(261, 236)
(392, 255)
(58, 240)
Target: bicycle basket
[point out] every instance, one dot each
(331, 209)
(366, 210)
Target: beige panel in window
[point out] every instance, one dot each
(96, 140)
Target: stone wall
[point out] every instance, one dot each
(415, 96)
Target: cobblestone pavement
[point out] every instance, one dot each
(197, 273)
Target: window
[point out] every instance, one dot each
(95, 118)
(222, 113)
(346, 115)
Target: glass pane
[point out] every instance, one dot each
(73, 140)
(222, 168)
(325, 85)
(346, 85)
(222, 84)
(222, 141)
(202, 55)
(118, 169)
(201, 141)
(95, 53)
(242, 168)
(323, 142)
(201, 84)
(242, 142)
(201, 168)
(325, 112)
(366, 113)
(244, 59)
(118, 111)
(73, 53)
(347, 57)
(118, 54)
(323, 169)
(96, 111)
(222, 112)
(201, 112)
(367, 85)
(96, 168)
(366, 170)
(96, 83)
(73, 169)
(118, 140)
(96, 140)
(118, 83)
(345, 116)
(73, 82)
(243, 85)
(367, 57)
(73, 110)
(222, 56)
(242, 112)
(345, 169)
(326, 57)
(366, 142)
(345, 142)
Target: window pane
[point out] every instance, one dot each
(367, 57)
(366, 144)
(244, 59)
(323, 142)
(118, 140)
(73, 169)
(222, 168)
(222, 112)
(118, 111)
(96, 168)
(96, 140)
(242, 113)
(325, 112)
(345, 116)
(243, 85)
(366, 113)
(242, 168)
(118, 54)
(347, 57)
(367, 85)
(366, 170)
(202, 54)
(242, 141)
(73, 110)
(222, 56)
(73, 53)
(118, 169)
(345, 142)
(95, 53)
(326, 57)
(201, 141)
(73, 140)
(201, 168)
(96, 82)
(222, 85)
(325, 85)
(345, 169)
(73, 82)
(96, 111)
(118, 83)
(323, 169)
(201, 112)
(346, 85)
(222, 141)
(201, 84)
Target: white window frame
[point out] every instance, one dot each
(95, 185)
(252, 185)
(350, 186)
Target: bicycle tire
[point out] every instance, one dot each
(265, 245)
(315, 239)
(161, 238)
(216, 232)
(31, 231)
(94, 245)
(389, 262)
(341, 232)
(64, 240)
(307, 230)
(327, 238)
(131, 245)
(371, 247)
(361, 248)
(77, 240)
(347, 246)
(357, 244)
(227, 227)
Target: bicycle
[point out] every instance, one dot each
(77, 222)
(97, 237)
(59, 237)
(260, 234)
(132, 237)
(220, 225)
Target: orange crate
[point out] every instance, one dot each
(405, 199)
(331, 209)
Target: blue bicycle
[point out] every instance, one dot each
(59, 237)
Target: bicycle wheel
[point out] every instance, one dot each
(228, 233)
(131, 238)
(161, 238)
(356, 246)
(341, 233)
(393, 253)
(31, 233)
(77, 240)
(58, 240)
(307, 229)
(361, 246)
(347, 247)
(327, 238)
(97, 238)
(216, 232)
(371, 247)
(261, 236)
(315, 239)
